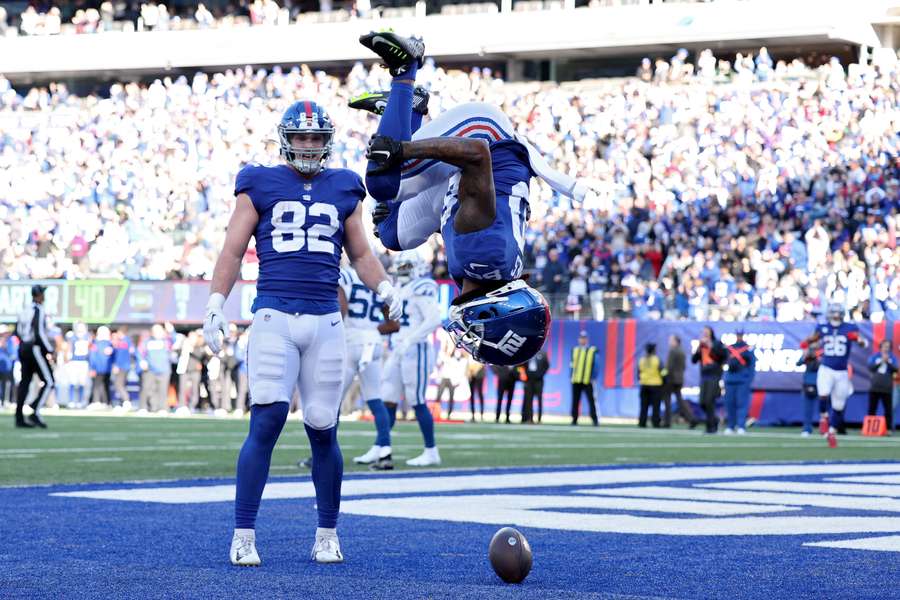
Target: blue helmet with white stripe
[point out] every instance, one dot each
(305, 118)
(506, 326)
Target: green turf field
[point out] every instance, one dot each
(110, 448)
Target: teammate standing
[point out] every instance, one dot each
(302, 216)
(34, 346)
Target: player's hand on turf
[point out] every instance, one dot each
(215, 325)
(385, 153)
(388, 294)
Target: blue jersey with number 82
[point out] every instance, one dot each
(300, 232)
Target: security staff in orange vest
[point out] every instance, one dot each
(584, 362)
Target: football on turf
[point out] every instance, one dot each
(510, 555)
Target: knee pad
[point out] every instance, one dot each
(320, 417)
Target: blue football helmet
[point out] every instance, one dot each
(305, 116)
(504, 327)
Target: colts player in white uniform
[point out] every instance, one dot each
(364, 326)
(301, 215)
(412, 359)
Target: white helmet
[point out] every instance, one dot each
(409, 265)
(835, 314)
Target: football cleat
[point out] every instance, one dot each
(376, 102)
(327, 549)
(741, 431)
(728, 431)
(429, 458)
(243, 550)
(823, 425)
(305, 463)
(369, 457)
(832, 439)
(385, 463)
(36, 421)
(397, 53)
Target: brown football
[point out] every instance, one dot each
(510, 555)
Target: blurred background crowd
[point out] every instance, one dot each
(726, 189)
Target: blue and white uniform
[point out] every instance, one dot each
(297, 336)
(429, 201)
(833, 378)
(364, 343)
(412, 358)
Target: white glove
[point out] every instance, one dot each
(388, 294)
(215, 325)
(582, 193)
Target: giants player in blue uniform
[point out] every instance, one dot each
(465, 174)
(301, 215)
(836, 339)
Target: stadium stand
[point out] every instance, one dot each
(730, 190)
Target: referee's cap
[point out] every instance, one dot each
(37, 290)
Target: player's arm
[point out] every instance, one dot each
(813, 338)
(472, 156)
(477, 203)
(388, 325)
(370, 269)
(240, 229)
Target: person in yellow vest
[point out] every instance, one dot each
(650, 376)
(584, 370)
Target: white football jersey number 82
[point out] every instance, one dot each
(289, 236)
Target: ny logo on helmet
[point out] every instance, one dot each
(510, 343)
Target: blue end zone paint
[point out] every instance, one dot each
(62, 547)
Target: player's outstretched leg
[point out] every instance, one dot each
(402, 56)
(266, 423)
(327, 474)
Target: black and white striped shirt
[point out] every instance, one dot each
(31, 327)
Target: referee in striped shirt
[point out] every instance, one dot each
(584, 361)
(34, 346)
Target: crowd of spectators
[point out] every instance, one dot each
(760, 190)
(92, 16)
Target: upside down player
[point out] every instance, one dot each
(833, 379)
(301, 215)
(474, 191)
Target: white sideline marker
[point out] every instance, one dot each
(889, 543)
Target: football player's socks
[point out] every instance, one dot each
(426, 424)
(266, 422)
(837, 419)
(392, 413)
(415, 122)
(382, 422)
(327, 473)
(395, 122)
